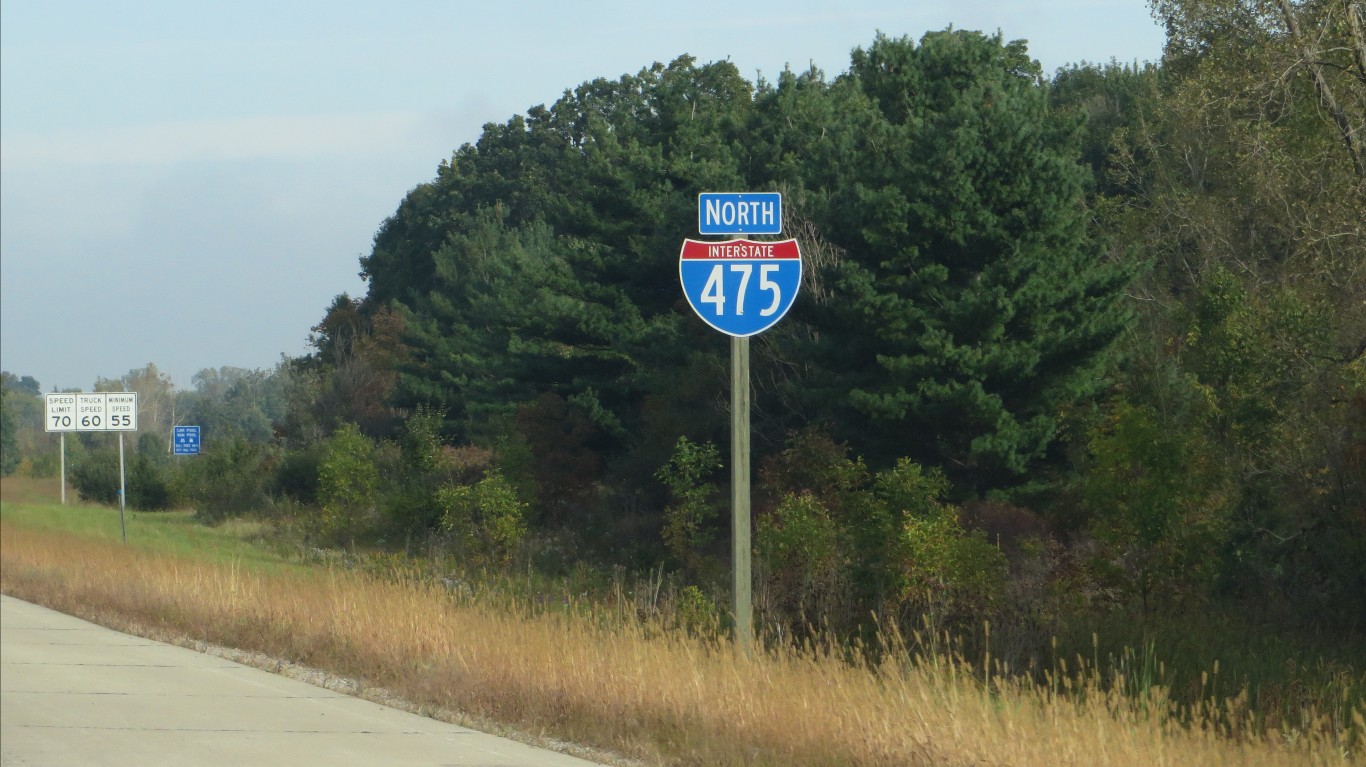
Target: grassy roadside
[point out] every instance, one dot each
(27, 503)
(585, 676)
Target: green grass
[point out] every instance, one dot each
(243, 542)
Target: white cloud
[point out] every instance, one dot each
(288, 137)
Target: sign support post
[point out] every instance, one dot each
(123, 529)
(741, 288)
(62, 463)
(739, 484)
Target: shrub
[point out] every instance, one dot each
(227, 479)
(149, 483)
(943, 570)
(147, 475)
(804, 560)
(423, 465)
(486, 518)
(296, 476)
(688, 520)
(845, 542)
(695, 613)
(95, 474)
(1160, 502)
(348, 484)
(42, 465)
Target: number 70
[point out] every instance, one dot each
(713, 292)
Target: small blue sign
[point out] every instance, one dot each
(740, 213)
(185, 440)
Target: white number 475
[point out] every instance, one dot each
(714, 291)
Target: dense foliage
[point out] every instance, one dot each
(1066, 345)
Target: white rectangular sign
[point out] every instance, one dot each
(91, 411)
(59, 412)
(121, 411)
(740, 213)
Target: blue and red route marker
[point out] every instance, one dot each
(740, 287)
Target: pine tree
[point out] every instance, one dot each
(970, 305)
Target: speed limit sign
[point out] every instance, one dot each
(59, 412)
(91, 411)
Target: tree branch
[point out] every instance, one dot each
(1321, 87)
(1358, 29)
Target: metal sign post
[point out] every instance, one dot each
(741, 288)
(739, 490)
(59, 415)
(123, 528)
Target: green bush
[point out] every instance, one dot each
(695, 613)
(845, 542)
(1159, 502)
(943, 570)
(227, 479)
(486, 518)
(410, 504)
(803, 559)
(688, 521)
(148, 478)
(149, 483)
(348, 484)
(296, 476)
(42, 465)
(95, 474)
(9, 441)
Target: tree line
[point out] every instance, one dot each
(1066, 345)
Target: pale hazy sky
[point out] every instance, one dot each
(191, 183)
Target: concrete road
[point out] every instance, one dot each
(73, 693)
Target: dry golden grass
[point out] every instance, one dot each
(646, 693)
(17, 489)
